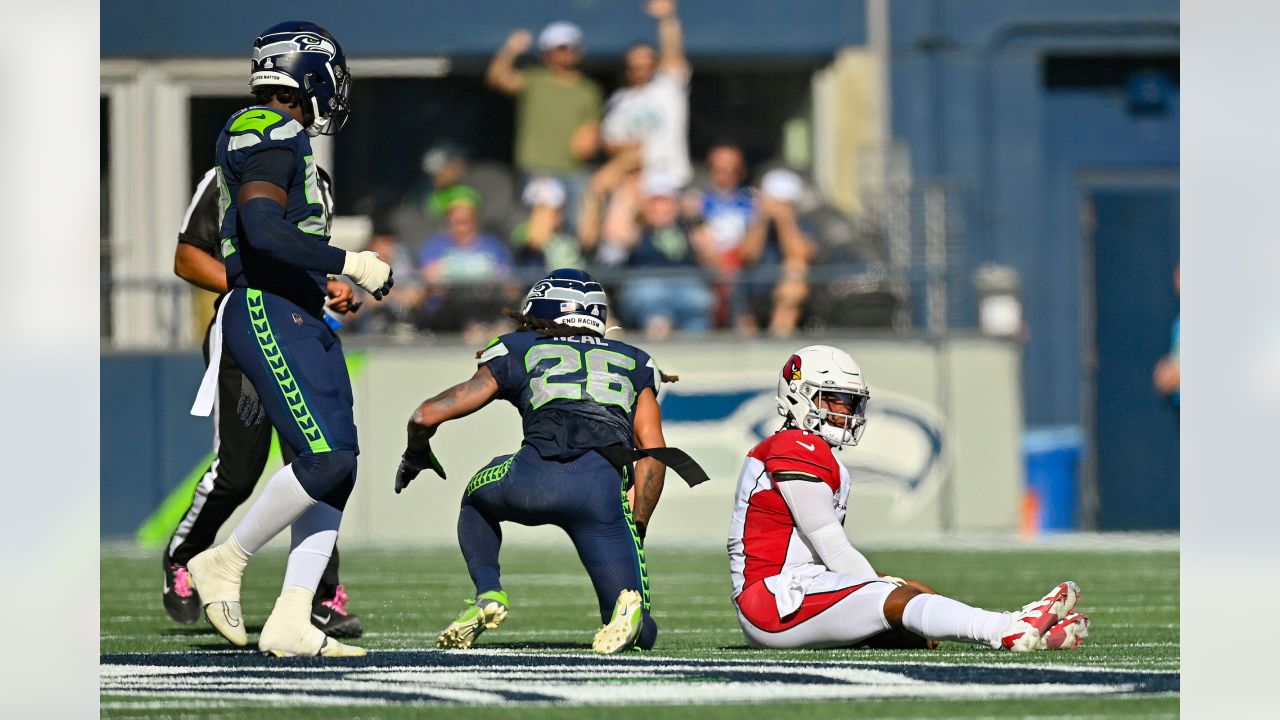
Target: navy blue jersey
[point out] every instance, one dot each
(574, 393)
(241, 145)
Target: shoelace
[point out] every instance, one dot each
(339, 601)
(181, 581)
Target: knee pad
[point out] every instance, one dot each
(320, 473)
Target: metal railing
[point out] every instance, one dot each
(900, 266)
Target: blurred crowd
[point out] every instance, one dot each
(605, 185)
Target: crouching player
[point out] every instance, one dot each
(582, 398)
(799, 583)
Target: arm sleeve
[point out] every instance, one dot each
(810, 505)
(264, 223)
(200, 223)
(266, 229)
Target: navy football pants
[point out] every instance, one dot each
(296, 364)
(584, 497)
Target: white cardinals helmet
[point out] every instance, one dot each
(817, 373)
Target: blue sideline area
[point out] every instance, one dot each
(149, 441)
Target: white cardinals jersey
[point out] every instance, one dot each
(763, 538)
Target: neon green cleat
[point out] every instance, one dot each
(624, 627)
(486, 612)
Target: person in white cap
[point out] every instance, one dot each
(650, 114)
(540, 242)
(776, 252)
(557, 107)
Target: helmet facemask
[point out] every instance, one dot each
(329, 119)
(837, 428)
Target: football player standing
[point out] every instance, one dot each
(583, 399)
(241, 435)
(275, 243)
(797, 580)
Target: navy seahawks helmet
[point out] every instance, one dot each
(569, 297)
(304, 55)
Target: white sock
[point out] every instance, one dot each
(941, 618)
(314, 533)
(281, 502)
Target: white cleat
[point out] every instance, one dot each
(624, 627)
(289, 632)
(1066, 634)
(1030, 624)
(216, 572)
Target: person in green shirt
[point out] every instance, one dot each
(557, 107)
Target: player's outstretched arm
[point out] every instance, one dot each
(458, 401)
(650, 474)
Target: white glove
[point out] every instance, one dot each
(366, 270)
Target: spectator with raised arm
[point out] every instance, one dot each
(650, 114)
(557, 107)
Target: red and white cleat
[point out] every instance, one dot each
(1067, 633)
(1034, 620)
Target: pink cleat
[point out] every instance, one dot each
(334, 619)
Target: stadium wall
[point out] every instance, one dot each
(973, 98)
(941, 452)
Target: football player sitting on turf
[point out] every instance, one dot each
(799, 583)
(581, 397)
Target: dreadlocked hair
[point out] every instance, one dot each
(547, 328)
(287, 95)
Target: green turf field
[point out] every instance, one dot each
(405, 597)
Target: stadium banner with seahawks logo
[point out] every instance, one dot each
(941, 450)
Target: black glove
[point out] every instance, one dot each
(413, 463)
(386, 288)
(641, 528)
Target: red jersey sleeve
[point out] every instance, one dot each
(799, 451)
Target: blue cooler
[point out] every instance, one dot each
(1052, 456)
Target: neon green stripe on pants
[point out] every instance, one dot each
(284, 376)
